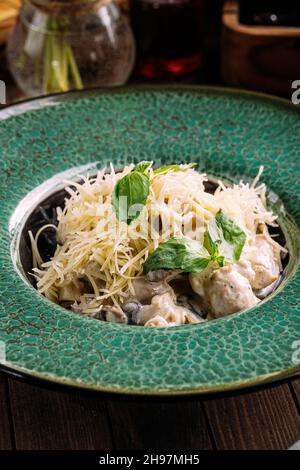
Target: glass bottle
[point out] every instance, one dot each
(169, 37)
(70, 44)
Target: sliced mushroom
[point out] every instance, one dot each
(131, 309)
(262, 293)
(161, 275)
(163, 305)
(193, 304)
(145, 290)
(104, 313)
(111, 314)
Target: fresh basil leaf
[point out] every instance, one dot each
(130, 195)
(178, 253)
(143, 166)
(229, 238)
(220, 260)
(213, 249)
(165, 169)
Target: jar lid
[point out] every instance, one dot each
(67, 7)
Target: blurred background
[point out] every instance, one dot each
(49, 46)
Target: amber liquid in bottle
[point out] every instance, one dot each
(169, 37)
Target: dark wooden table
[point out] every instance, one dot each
(32, 417)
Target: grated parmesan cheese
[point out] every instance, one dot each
(95, 247)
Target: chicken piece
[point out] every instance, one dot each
(228, 292)
(224, 291)
(259, 264)
(70, 292)
(163, 306)
(244, 267)
(158, 320)
(144, 289)
(191, 318)
(199, 280)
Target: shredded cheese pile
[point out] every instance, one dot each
(95, 249)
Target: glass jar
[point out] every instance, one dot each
(70, 44)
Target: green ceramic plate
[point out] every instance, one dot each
(230, 134)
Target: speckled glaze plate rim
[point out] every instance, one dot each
(38, 103)
(244, 386)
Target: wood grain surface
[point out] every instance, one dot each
(6, 437)
(159, 425)
(45, 420)
(267, 419)
(34, 418)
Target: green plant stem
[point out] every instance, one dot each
(59, 81)
(22, 58)
(73, 68)
(62, 61)
(58, 67)
(37, 72)
(47, 70)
